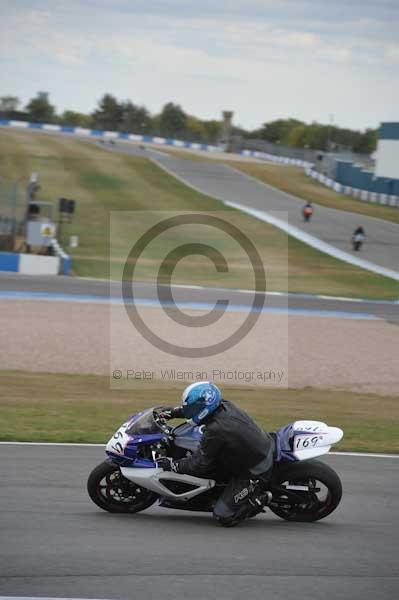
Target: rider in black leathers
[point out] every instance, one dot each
(232, 444)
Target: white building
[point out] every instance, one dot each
(387, 155)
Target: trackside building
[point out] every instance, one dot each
(387, 158)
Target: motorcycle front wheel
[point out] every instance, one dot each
(114, 493)
(305, 491)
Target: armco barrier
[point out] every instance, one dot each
(285, 160)
(363, 195)
(108, 135)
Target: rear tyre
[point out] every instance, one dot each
(114, 493)
(316, 487)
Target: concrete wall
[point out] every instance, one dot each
(29, 264)
(32, 264)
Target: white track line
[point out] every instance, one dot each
(245, 291)
(81, 445)
(187, 286)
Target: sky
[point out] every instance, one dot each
(263, 59)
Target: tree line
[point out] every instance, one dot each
(172, 121)
(297, 134)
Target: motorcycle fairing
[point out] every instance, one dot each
(302, 440)
(127, 447)
(154, 478)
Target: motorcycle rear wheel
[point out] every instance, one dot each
(114, 493)
(318, 487)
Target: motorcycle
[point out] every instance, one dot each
(357, 241)
(307, 214)
(129, 480)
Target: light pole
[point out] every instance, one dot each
(329, 131)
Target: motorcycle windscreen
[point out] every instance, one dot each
(143, 423)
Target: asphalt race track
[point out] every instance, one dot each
(330, 225)
(55, 542)
(97, 288)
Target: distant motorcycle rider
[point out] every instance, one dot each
(232, 444)
(307, 211)
(358, 238)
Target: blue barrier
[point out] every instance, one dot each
(80, 131)
(32, 263)
(66, 265)
(354, 176)
(9, 262)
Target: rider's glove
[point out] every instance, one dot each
(166, 413)
(166, 463)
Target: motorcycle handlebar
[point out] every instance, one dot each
(162, 424)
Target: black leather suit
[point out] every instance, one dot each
(233, 444)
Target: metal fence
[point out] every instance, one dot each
(13, 203)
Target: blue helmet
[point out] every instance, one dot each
(199, 400)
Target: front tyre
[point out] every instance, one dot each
(305, 491)
(112, 492)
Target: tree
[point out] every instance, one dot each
(212, 131)
(367, 142)
(156, 124)
(279, 130)
(195, 129)
(9, 104)
(316, 136)
(109, 114)
(135, 119)
(173, 121)
(296, 136)
(40, 110)
(77, 119)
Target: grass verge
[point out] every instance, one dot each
(83, 408)
(294, 181)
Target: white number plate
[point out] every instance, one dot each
(119, 440)
(303, 442)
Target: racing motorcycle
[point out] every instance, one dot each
(129, 480)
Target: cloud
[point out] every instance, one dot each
(203, 54)
(391, 54)
(70, 35)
